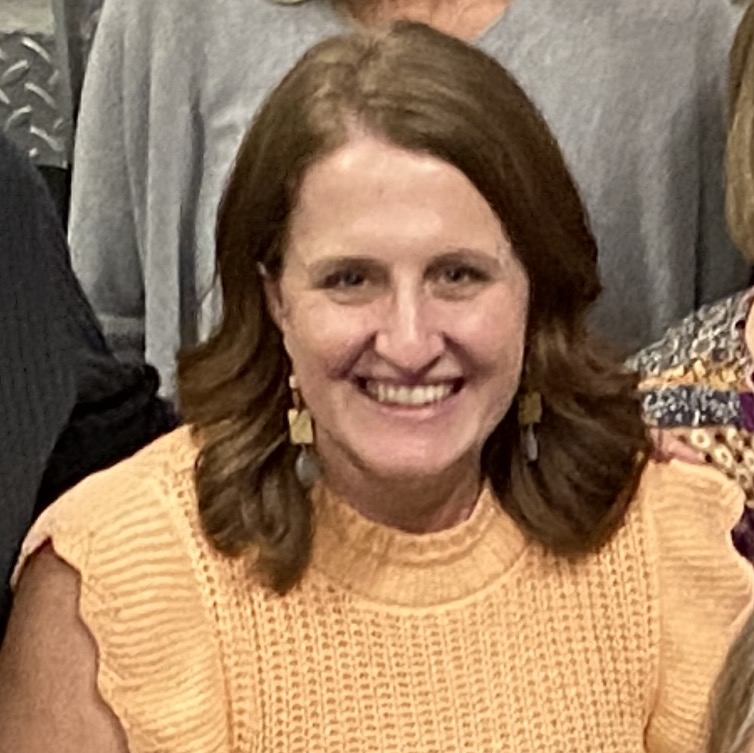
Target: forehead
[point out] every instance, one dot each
(371, 197)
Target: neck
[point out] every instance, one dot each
(461, 18)
(415, 505)
(396, 9)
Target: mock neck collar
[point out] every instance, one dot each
(393, 567)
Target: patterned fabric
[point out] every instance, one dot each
(697, 383)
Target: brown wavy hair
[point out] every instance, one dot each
(739, 161)
(423, 91)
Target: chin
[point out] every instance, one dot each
(411, 466)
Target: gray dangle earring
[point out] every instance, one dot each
(529, 415)
(301, 434)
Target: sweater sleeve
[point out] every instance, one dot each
(721, 268)
(159, 666)
(103, 233)
(705, 595)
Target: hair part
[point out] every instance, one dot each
(422, 91)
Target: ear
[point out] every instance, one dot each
(274, 300)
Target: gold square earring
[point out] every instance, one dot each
(301, 434)
(300, 429)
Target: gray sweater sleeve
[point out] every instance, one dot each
(720, 266)
(103, 235)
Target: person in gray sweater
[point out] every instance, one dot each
(632, 90)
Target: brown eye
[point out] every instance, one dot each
(346, 279)
(461, 274)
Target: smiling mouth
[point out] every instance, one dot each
(413, 396)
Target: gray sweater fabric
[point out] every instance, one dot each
(633, 90)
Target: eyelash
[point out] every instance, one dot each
(469, 273)
(336, 280)
(350, 279)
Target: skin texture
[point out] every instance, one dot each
(465, 19)
(49, 702)
(398, 272)
(669, 447)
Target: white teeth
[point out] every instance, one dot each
(403, 395)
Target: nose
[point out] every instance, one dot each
(409, 337)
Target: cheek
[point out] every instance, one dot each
(493, 330)
(320, 337)
(497, 337)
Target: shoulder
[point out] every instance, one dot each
(715, 25)
(127, 532)
(703, 28)
(698, 16)
(28, 218)
(166, 21)
(644, 22)
(197, 50)
(122, 508)
(689, 513)
(692, 501)
(705, 333)
(694, 374)
(725, 14)
(132, 29)
(17, 175)
(32, 244)
(155, 478)
(682, 516)
(678, 532)
(703, 588)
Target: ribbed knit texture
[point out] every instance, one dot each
(472, 639)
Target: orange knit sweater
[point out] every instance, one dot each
(473, 639)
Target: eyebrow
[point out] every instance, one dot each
(470, 255)
(330, 264)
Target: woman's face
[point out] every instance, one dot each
(403, 310)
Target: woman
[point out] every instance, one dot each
(67, 406)
(413, 509)
(697, 381)
(633, 92)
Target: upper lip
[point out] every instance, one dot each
(410, 382)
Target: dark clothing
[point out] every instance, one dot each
(67, 406)
(115, 414)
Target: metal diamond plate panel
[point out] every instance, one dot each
(30, 112)
(75, 24)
